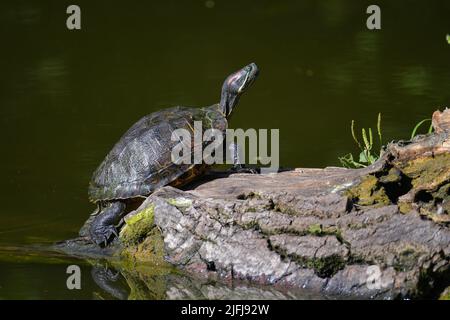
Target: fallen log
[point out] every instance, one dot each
(377, 232)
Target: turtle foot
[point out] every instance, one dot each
(103, 227)
(243, 169)
(103, 235)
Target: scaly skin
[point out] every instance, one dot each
(103, 227)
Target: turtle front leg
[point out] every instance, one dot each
(103, 227)
(238, 166)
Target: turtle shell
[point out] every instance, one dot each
(140, 162)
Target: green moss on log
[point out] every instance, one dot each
(405, 207)
(428, 172)
(445, 295)
(179, 202)
(368, 192)
(137, 226)
(143, 242)
(149, 253)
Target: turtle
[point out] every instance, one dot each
(140, 162)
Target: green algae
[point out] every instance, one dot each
(445, 295)
(406, 259)
(146, 256)
(137, 226)
(143, 242)
(368, 192)
(393, 175)
(328, 266)
(146, 287)
(179, 202)
(429, 172)
(405, 207)
(315, 229)
(325, 267)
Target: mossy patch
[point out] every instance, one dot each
(145, 287)
(404, 207)
(315, 229)
(327, 267)
(445, 295)
(179, 202)
(406, 259)
(137, 226)
(143, 243)
(368, 192)
(428, 172)
(393, 175)
(443, 192)
(323, 267)
(149, 253)
(440, 218)
(430, 179)
(319, 230)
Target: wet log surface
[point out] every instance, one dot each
(378, 232)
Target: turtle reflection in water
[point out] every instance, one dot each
(140, 162)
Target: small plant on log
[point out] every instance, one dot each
(418, 125)
(367, 156)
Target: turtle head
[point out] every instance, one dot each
(235, 85)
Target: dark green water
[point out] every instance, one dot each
(67, 96)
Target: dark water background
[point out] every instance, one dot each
(67, 96)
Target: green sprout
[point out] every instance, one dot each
(448, 38)
(418, 125)
(367, 156)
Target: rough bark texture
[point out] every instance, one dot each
(377, 232)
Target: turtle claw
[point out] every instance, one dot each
(103, 235)
(114, 231)
(103, 227)
(243, 169)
